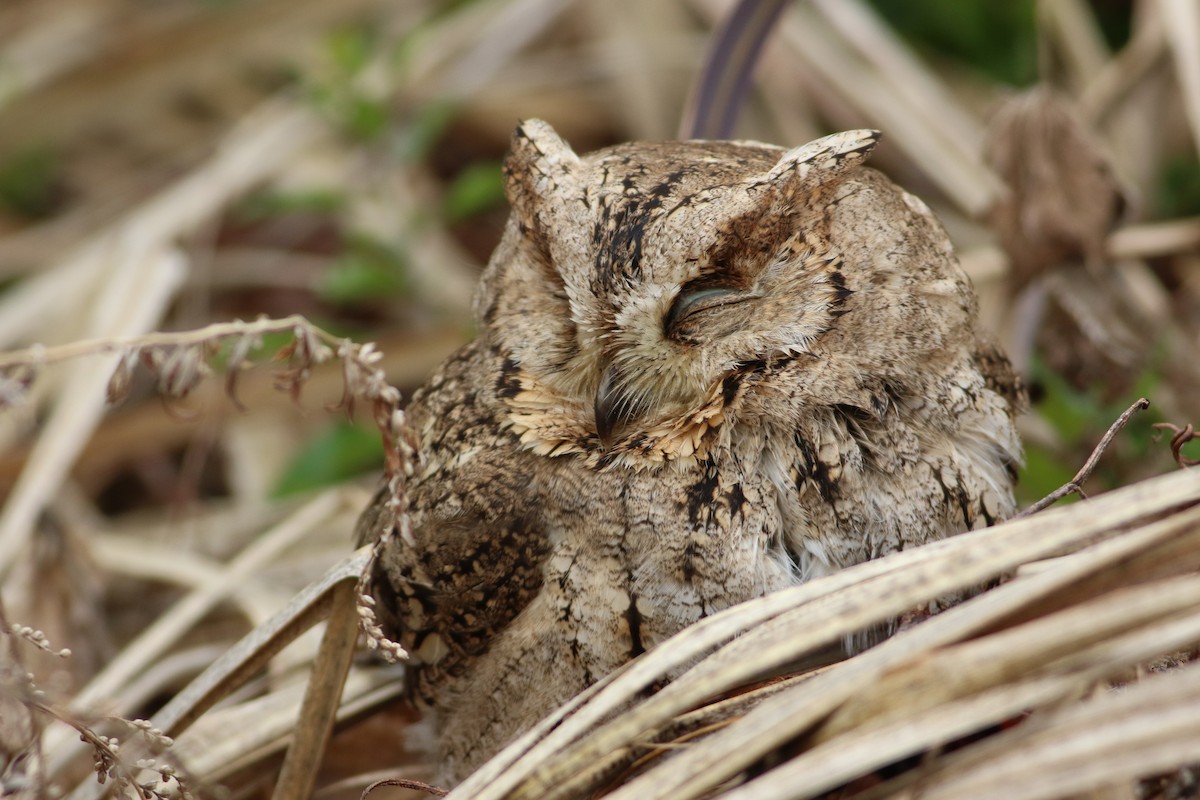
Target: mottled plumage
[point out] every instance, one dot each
(705, 371)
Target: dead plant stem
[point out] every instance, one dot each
(1075, 485)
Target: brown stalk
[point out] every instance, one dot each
(1075, 485)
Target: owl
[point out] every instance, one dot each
(705, 371)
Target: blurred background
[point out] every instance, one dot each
(168, 165)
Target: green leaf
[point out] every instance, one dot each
(365, 118)
(1081, 418)
(478, 188)
(417, 138)
(996, 39)
(269, 204)
(272, 343)
(337, 92)
(28, 183)
(1179, 187)
(340, 452)
(1070, 412)
(350, 49)
(369, 270)
(1044, 472)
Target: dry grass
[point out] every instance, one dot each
(174, 166)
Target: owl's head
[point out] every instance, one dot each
(636, 287)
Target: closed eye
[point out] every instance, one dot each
(695, 301)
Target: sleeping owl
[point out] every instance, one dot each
(705, 371)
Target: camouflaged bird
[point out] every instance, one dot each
(705, 371)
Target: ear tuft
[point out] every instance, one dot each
(538, 163)
(805, 168)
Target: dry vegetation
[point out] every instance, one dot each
(328, 170)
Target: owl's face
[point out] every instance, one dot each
(634, 285)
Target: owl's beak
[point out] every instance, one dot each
(612, 411)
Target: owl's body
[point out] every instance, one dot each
(705, 371)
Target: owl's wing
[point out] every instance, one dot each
(473, 557)
(447, 593)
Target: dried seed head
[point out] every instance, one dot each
(178, 368)
(14, 384)
(238, 354)
(122, 377)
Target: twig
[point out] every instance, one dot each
(1075, 485)
(1180, 437)
(179, 361)
(404, 783)
(39, 354)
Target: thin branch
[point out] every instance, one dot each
(1075, 485)
(404, 783)
(1180, 437)
(39, 354)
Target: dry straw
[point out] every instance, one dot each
(1112, 586)
(1008, 695)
